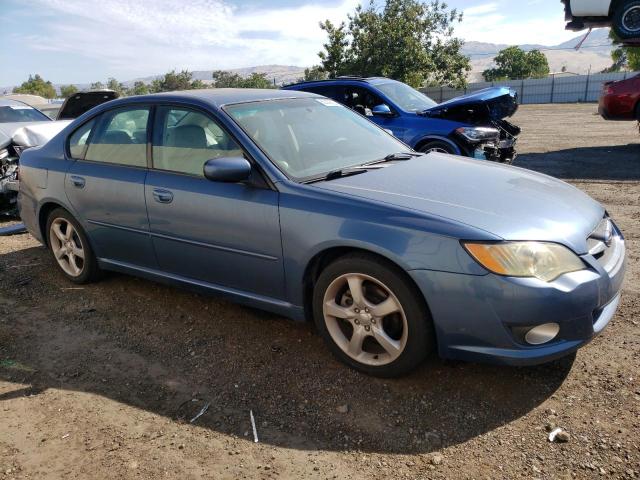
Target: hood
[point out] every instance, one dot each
(508, 202)
(493, 103)
(82, 102)
(7, 130)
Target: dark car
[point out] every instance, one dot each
(290, 202)
(473, 125)
(621, 100)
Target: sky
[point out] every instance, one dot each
(81, 41)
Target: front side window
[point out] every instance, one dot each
(308, 137)
(78, 140)
(185, 139)
(120, 137)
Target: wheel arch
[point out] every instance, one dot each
(325, 257)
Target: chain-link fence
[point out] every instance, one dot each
(555, 89)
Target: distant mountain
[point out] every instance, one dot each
(594, 54)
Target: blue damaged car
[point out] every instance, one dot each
(472, 125)
(290, 202)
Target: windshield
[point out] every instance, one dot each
(309, 137)
(20, 113)
(405, 97)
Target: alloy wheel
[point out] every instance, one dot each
(365, 319)
(67, 247)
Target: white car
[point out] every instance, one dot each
(621, 15)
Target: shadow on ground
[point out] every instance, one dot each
(587, 163)
(156, 348)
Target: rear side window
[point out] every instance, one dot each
(120, 137)
(185, 139)
(79, 139)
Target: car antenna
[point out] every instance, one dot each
(577, 47)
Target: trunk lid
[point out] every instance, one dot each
(82, 102)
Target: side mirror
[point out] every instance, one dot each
(382, 110)
(227, 169)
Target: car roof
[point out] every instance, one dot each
(217, 97)
(342, 79)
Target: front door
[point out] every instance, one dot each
(225, 234)
(105, 184)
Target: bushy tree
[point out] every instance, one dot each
(116, 86)
(225, 79)
(67, 91)
(513, 63)
(173, 81)
(36, 85)
(314, 73)
(409, 40)
(96, 86)
(622, 56)
(139, 88)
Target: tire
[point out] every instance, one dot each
(638, 111)
(438, 146)
(352, 328)
(626, 19)
(70, 248)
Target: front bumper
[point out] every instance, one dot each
(481, 318)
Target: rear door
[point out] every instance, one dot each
(225, 234)
(105, 184)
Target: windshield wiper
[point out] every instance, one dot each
(339, 173)
(392, 157)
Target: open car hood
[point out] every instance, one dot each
(493, 103)
(82, 102)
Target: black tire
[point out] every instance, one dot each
(438, 146)
(89, 271)
(638, 111)
(420, 338)
(626, 19)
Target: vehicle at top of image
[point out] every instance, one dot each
(621, 100)
(472, 125)
(621, 15)
(23, 125)
(290, 202)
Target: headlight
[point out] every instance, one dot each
(479, 134)
(542, 260)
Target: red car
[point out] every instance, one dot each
(621, 100)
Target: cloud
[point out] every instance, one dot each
(137, 38)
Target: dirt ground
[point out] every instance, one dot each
(101, 381)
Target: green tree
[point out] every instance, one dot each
(68, 90)
(173, 81)
(314, 73)
(116, 86)
(513, 63)
(96, 86)
(623, 57)
(36, 85)
(139, 88)
(225, 79)
(410, 40)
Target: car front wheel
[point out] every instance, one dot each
(626, 19)
(70, 247)
(438, 146)
(371, 316)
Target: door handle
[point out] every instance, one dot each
(162, 196)
(77, 181)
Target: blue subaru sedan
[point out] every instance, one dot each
(290, 202)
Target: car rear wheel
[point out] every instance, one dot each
(371, 316)
(70, 248)
(626, 19)
(438, 146)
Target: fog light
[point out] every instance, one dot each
(542, 334)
